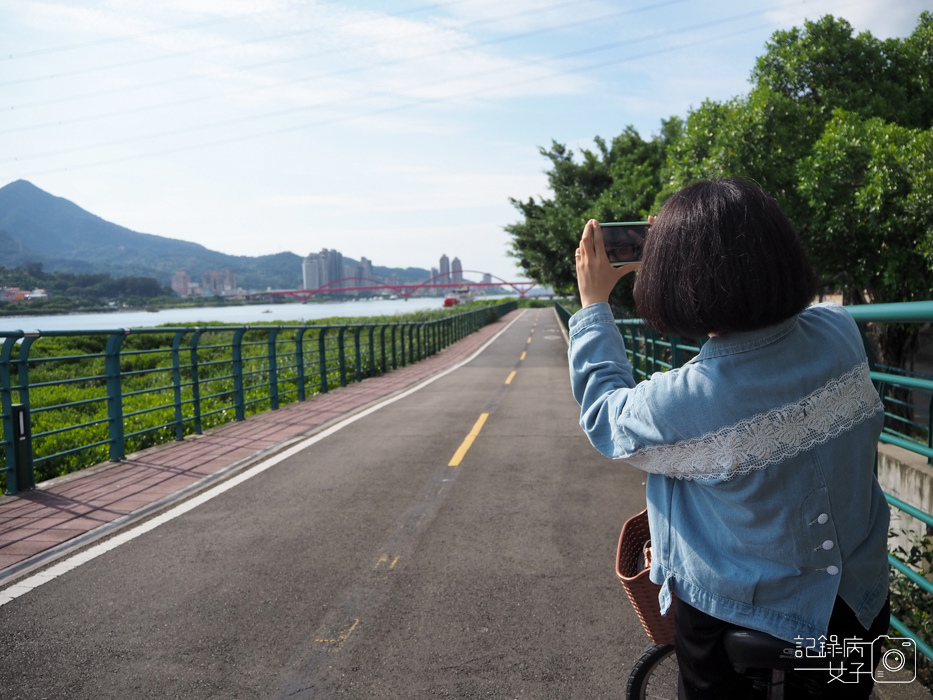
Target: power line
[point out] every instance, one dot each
(205, 49)
(418, 103)
(295, 59)
(128, 37)
(343, 72)
(349, 101)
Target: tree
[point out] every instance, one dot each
(787, 134)
(824, 67)
(870, 190)
(836, 127)
(616, 182)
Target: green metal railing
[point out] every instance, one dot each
(650, 352)
(71, 399)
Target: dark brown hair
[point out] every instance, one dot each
(721, 257)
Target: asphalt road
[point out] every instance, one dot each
(366, 566)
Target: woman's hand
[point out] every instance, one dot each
(596, 277)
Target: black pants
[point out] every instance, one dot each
(706, 673)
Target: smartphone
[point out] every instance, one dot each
(624, 241)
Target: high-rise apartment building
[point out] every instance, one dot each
(326, 270)
(367, 266)
(181, 283)
(216, 282)
(445, 270)
(456, 271)
(335, 273)
(313, 271)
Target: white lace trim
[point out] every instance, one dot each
(768, 438)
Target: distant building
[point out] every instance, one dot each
(313, 271)
(181, 283)
(360, 275)
(12, 294)
(445, 271)
(456, 271)
(334, 264)
(37, 294)
(325, 270)
(218, 282)
(366, 268)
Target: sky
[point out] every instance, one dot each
(394, 130)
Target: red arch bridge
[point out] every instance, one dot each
(403, 290)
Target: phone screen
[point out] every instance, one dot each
(624, 241)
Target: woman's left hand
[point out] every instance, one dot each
(596, 277)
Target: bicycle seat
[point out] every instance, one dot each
(752, 649)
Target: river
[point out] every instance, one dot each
(230, 315)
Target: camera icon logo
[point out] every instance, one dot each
(897, 660)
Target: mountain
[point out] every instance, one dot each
(36, 226)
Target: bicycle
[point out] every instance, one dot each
(763, 658)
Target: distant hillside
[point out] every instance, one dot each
(36, 226)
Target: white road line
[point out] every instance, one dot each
(66, 565)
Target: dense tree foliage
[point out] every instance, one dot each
(616, 182)
(836, 126)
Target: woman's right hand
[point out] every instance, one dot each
(596, 277)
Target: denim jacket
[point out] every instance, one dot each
(762, 499)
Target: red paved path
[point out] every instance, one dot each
(34, 523)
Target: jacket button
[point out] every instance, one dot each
(822, 519)
(832, 570)
(828, 544)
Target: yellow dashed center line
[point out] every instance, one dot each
(508, 380)
(342, 637)
(524, 354)
(384, 559)
(468, 441)
(529, 339)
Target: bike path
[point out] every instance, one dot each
(40, 526)
(365, 565)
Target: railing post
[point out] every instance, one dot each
(300, 362)
(115, 395)
(356, 350)
(236, 351)
(677, 358)
(322, 357)
(394, 347)
(382, 343)
(402, 342)
(25, 479)
(176, 386)
(372, 351)
(341, 354)
(6, 402)
(195, 382)
(273, 369)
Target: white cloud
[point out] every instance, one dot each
(884, 19)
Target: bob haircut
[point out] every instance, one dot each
(721, 257)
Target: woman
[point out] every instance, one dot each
(762, 501)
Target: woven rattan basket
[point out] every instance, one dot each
(632, 568)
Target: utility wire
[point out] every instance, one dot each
(295, 59)
(396, 108)
(211, 49)
(343, 72)
(351, 100)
